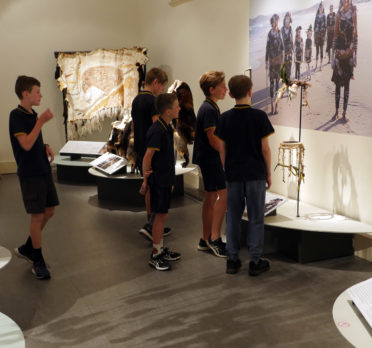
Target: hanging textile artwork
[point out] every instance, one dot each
(98, 84)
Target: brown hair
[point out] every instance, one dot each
(156, 74)
(210, 79)
(25, 83)
(165, 101)
(239, 86)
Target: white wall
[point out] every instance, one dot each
(33, 30)
(186, 40)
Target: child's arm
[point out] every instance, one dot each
(223, 154)
(27, 141)
(266, 152)
(146, 168)
(213, 140)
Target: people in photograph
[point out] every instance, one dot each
(299, 52)
(144, 113)
(274, 58)
(206, 156)
(33, 159)
(159, 176)
(345, 43)
(308, 50)
(287, 37)
(246, 157)
(319, 34)
(331, 21)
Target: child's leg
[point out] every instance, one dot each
(157, 233)
(219, 211)
(36, 225)
(255, 199)
(210, 199)
(235, 209)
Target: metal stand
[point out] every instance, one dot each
(299, 169)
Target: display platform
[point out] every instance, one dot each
(11, 335)
(124, 188)
(316, 235)
(73, 171)
(5, 257)
(350, 322)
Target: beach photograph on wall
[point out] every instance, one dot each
(324, 45)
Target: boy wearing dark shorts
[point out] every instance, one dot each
(206, 155)
(33, 169)
(159, 176)
(246, 157)
(144, 113)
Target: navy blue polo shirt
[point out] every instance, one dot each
(35, 161)
(242, 129)
(207, 118)
(143, 111)
(160, 138)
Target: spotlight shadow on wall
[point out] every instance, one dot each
(174, 3)
(344, 192)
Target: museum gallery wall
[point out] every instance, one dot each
(337, 166)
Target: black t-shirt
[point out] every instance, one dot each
(207, 118)
(143, 110)
(242, 129)
(160, 138)
(35, 161)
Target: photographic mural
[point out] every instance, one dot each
(325, 43)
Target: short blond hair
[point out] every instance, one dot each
(210, 79)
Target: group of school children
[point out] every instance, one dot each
(231, 149)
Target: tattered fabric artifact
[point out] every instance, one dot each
(99, 84)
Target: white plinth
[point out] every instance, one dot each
(11, 335)
(350, 322)
(314, 219)
(5, 257)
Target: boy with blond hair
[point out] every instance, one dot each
(206, 155)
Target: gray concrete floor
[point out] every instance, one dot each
(104, 294)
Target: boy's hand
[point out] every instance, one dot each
(49, 153)
(144, 188)
(268, 182)
(46, 116)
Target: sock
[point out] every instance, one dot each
(151, 219)
(37, 255)
(28, 244)
(157, 249)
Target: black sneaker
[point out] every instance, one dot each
(146, 231)
(257, 268)
(23, 253)
(167, 231)
(218, 247)
(40, 270)
(203, 246)
(232, 266)
(169, 255)
(159, 263)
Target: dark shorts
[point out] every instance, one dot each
(160, 198)
(38, 193)
(213, 177)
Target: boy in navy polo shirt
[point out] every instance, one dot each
(33, 169)
(144, 113)
(206, 155)
(246, 158)
(159, 175)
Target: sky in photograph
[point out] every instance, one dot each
(265, 7)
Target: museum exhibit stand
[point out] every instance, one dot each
(349, 320)
(124, 187)
(315, 235)
(11, 335)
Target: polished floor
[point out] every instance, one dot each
(104, 294)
